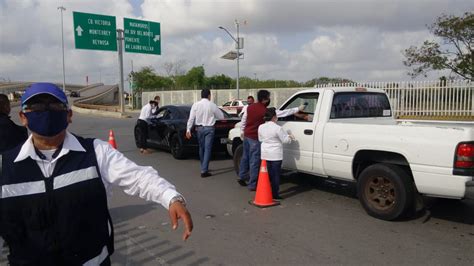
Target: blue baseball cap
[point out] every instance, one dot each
(44, 88)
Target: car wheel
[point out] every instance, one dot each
(237, 157)
(138, 134)
(176, 147)
(385, 191)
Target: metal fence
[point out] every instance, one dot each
(426, 99)
(445, 100)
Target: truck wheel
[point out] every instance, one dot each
(176, 148)
(237, 157)
(385, 191)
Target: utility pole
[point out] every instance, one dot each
(61, 8)
(238, 58)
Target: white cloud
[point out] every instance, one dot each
(300, 39)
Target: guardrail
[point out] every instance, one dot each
(109, 108)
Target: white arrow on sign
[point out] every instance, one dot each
(79, 31)
(157, 38)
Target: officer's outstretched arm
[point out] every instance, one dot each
(178, 211)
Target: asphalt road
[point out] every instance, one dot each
(317, 222)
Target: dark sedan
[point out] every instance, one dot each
(168, 128)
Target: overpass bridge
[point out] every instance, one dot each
(94, 96)
(19, 86)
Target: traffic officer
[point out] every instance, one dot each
(53, 205)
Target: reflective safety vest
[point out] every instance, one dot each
(59, 220)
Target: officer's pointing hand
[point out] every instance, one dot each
(178, 211)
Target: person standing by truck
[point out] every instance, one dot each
(250, 100)
(272, 137)
(251, 120)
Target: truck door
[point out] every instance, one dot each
(298, 155)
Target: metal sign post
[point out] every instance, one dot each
(120, 57)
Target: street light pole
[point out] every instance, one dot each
(238, 46)
(61, 8)
(238, 58)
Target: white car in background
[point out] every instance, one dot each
(234, 107)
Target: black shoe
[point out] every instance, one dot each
(278, 197)
(206, 174)
(252, 189)
(242, 182)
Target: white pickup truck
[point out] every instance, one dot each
(354, 136)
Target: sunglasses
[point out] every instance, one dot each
(41, 107)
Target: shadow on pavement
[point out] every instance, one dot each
(145, 246)
(459, 211)
(221, 171)
(303, 182)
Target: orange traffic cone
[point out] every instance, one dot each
(112, 139)
(263, 197)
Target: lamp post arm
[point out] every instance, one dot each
(235, 40)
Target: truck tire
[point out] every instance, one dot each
(176, 147)
(237, 156)
(385, 191)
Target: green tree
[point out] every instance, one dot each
(194, 78)
(218, 82)
(144, 78)
(454, 51)
(147, 80)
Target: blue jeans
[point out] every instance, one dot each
(205, 138)
(274, 171)
(250, 162)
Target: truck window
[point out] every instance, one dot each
(358, 104)
(309, 99)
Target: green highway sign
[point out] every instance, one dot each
(142, 36)
(95, 32)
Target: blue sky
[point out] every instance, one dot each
(360, 40)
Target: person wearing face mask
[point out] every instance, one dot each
(53, 206)
(251, 120)
(150, 109)
(250, 100)
(11, 134)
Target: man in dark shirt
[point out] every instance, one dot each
(11, 134)
(251, 120)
